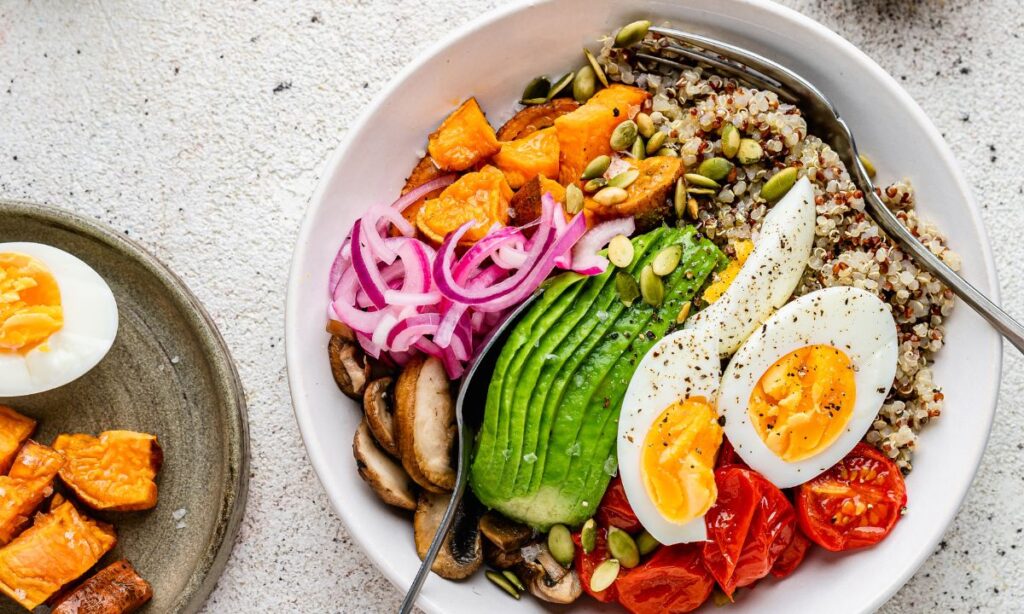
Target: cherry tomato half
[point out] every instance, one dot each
(749, 527)
(792, 556)
(727, 455)
(854, 504)
(615, 510)
(586, 563)
(674, 580)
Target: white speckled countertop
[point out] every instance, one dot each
(198, 128)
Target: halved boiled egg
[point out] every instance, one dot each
(58, 318)
(804, 389)
(669, 435)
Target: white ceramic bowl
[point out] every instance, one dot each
(491, 59)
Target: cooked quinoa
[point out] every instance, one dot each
(850, 249)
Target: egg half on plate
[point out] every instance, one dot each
(58, 318)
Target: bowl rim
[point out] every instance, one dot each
(203, 579)
(319, 458)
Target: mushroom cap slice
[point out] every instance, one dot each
(565, 588)
(377, 407)
(507, 535)
(349, 366)
(462, 553)
(381, 472)
(500, 559)
(425, 414)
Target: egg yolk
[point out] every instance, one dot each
(802, 403)
(30, 308)
(678, 459)
(724, 278)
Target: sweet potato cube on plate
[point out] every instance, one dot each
(535, 117)
(526, 204)
(24, 488)
(647, 198)
(114, 471)
(464, 139)
(585, 133)
(523, 159)
(482, 197)
(14, 430)
(60, 547)
(116, 589)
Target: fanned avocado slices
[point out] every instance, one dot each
(546, 450)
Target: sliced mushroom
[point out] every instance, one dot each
(383, 474)
(349, 366)
(506, 534)
(377, 406)
(500, 559)
(564, 587)
(425, 415)
(462, 552)
(340, 329)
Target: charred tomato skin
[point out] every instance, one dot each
(791, 557)
(585, 564)
(615, 510)
(855, 504)
(673, 580)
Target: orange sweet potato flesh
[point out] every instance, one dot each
(24, 488)
(116, 589)
(523, 159)
(482, 196)
(464, 140)
(584, 134)
(57, 550)
(526, 204)
(536, 117)
(14, 430)
(647, 199)
(424, 171)
(114, 471)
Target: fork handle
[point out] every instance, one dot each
(1009, 328)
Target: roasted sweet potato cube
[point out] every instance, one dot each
(647, 199)
(585, 133)
(60, 547)
(116, 589)
(464, 139)
(14, 429)
(523, 159)
(482, 197)
(114, 471)
(29, 482)
(536, 117)
(424, 171)
(525, 205)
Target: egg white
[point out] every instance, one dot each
(90, 326)
(770, 274)
(853, 320)
(682, 365)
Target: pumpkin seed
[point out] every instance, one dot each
(632, 34)
(667, 260)
(604, 575)
(638, 150)
(588, 534)
(560, 84)
(514, 579)
(701, 191)
(683, 314)
(622, 547)
(628, 291)
(502, 582)
(750, 152)
(651, 289)
(560, 544)
(623, 136)
(595, 184)
(610, 196)
(691, 207)
(538, 88)
(645, 125)
(868, 166)
(656, 141)
(596, 66)
(624, 179)
(573, 199)
(715, 169)
(597, 167)
(776, 187)
(620, 251)
(730, 140)
(533, 101)
(584, 85)
(645, 542)
(679, 197)
(701, 181)
(668, 151)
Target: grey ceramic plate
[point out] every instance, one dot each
(169, 373)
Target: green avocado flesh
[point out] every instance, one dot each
(546, 449)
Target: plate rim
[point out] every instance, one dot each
(297, 388)
(225, 371)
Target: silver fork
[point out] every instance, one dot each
(764, 73)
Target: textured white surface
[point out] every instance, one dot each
(199, 128)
